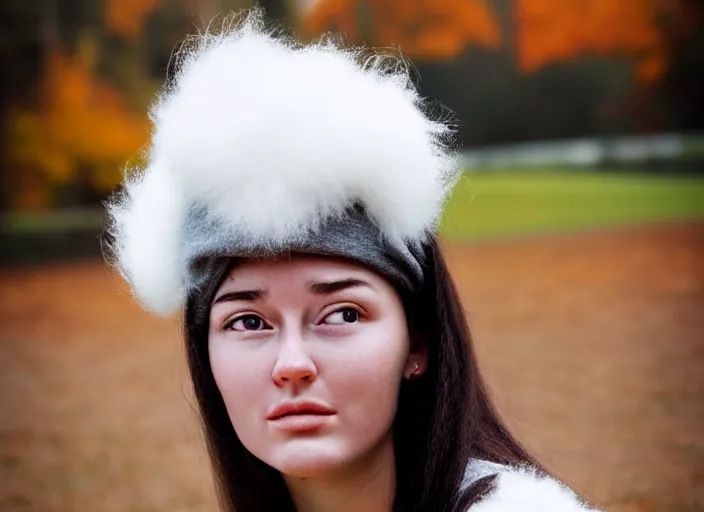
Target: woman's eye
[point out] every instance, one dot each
(247, 323)
(343, 316)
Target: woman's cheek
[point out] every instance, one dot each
(367, 378)
(239, 375)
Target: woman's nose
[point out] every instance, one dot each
(294, 365)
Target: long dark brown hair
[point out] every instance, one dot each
(444, 418)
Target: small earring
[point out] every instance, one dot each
(414, 371)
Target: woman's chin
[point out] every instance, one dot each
(301, 471)
(307, 460)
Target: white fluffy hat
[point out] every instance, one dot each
(263, 141)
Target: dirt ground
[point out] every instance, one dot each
(593, 345)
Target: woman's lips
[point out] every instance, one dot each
(300, 422)
(299, 416)
(299, 408)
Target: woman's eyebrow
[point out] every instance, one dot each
(243, 295)
(336, 286)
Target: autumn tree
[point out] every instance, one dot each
(549, 31)
(82, 132)
(423, 29)
(80, 129)
(92, 85)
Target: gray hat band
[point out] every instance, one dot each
(352, 235)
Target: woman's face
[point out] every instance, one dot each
(308, 354)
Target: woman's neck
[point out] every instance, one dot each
(367, 485)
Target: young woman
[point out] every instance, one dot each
(288, 208)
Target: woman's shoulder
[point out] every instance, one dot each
(521, 489)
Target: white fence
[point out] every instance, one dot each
(577, 152)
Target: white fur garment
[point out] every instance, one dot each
(272, 137)
(523, 490)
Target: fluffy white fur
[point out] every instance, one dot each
(273, 137)
(523, 490)
(146, 223)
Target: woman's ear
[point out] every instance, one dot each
(417, 360)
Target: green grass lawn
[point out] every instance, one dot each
(495, 204)
(491, 204)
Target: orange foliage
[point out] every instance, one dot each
(422, 29)
(82, 124)
(556, 30)
(126, 17)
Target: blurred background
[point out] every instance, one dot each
(576, 237)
